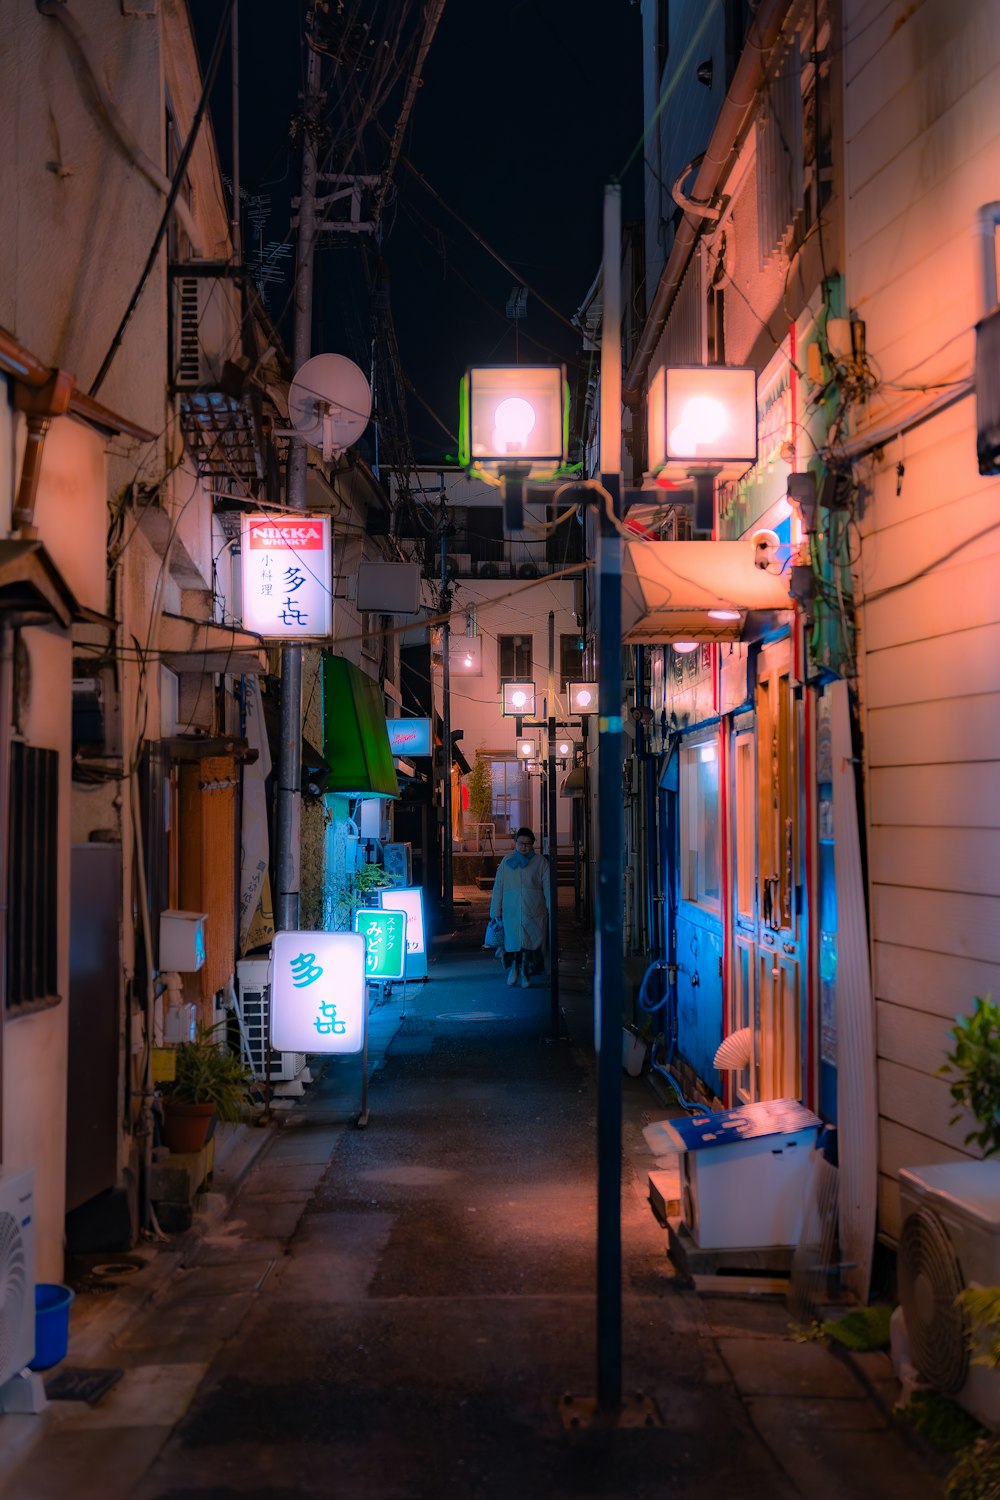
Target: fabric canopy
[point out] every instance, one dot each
(669, 590)
(355, 739)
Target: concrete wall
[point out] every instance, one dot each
(922, 89)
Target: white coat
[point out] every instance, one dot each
(521, 902)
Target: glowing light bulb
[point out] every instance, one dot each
(723, 614)
(563, 747)
(513, 421)
(519, 699)
(683, 647)
(707, 752)
(702, 423)
(468, 659)
(584, 698)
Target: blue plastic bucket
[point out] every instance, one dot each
(51, 1324)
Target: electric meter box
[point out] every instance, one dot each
(182, 941)
(745, 1173)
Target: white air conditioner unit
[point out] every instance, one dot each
(206, 329)
(253, 999)
(950, 1240)
(17, 1271)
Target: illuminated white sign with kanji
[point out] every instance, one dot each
(286, 570)
(318, 992)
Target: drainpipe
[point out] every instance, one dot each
(39, 407)
(729, 127)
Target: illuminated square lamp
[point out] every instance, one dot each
(527, 749)
(514, 416)
(583, 697)
(564, 747)
(709, 416)
(517, 699)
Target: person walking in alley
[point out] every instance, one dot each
(521, 903)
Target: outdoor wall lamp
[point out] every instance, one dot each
(517, 700)
(582, 698)
(514, 421)
(527, 749)
(702, 422)
(465, 655)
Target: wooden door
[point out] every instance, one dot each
(780, 921)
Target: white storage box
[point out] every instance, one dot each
(745, 1173)
(182, 941)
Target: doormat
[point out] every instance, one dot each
(74, 1384)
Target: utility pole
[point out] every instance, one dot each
(289, 808)
(447, 878)
(553, 837)
(608, 965)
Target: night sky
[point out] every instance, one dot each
(527, 108)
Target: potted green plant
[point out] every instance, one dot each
(480, 789)
(209, 1083)
(973, 1070)
(357, 889)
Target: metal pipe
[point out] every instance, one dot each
(6, 717)
(608, 944)
(749, 75)
(447, 866)
(985, 230)
(289, 808)
(553, 833)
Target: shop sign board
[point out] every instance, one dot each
(286, 565)
(318, 992)
(384, 933)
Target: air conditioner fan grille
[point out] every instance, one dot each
(13, 1288)
(930, 1278)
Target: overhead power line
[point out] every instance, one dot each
(412, 85)
(487, 247)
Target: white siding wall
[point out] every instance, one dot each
(923, 151)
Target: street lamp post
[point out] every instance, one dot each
(608, 956)
(513, 422)
(447, 866)
(553, 835)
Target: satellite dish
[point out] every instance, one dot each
(329, 403)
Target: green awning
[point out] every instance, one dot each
(355, 739)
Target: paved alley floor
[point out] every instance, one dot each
(398, 1313)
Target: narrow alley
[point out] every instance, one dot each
(400, 1311)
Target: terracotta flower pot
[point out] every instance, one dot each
(186, 1126)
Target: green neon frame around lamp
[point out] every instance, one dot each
(517, 700)
(514, 421)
